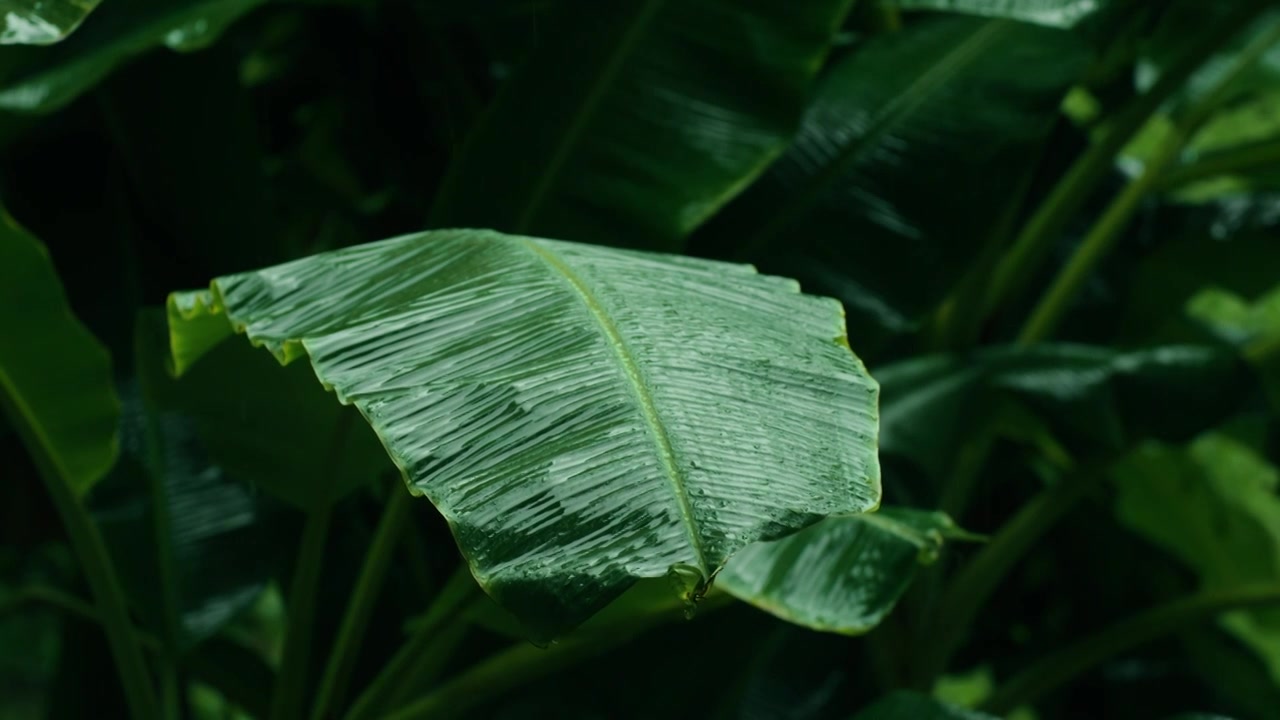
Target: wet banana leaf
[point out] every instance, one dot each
(583, 417)
(41, 22)
(47, 79)
(843, 574)
(55, 379)
(644, 122)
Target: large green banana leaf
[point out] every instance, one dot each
(55, 379)
(843, 574)
(583, 417)
(41, 22)
(1053, 13)
(46, 79)
(648, 118)
(875, 203)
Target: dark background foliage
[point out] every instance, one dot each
(901, 177)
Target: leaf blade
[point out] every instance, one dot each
(503, 397)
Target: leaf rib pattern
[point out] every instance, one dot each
(582, 416)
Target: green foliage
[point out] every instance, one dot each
(1049, 227)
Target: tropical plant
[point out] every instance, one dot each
(873, 359)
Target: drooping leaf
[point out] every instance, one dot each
(41, 22)
(45, 81)
(875, 201)
(55, 379)
(640, 120)
(912, 706)
(843, 574)
(1214, 506)
(583, 417)
(1053, 13)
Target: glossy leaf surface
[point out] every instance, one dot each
(583, 417)
(46, 80)
(651, 118)
(1053, 13)
(41, 22)
(843, 574)
(871, 203)
(1214, 506)
(55, 379)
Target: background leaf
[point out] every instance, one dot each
(1213, 505)
(642, 126)
(843, 574)
(55, 377)
(911, 706)
(870, 204)
(1053, 13)
(46, 80)
(583, 417)
(41, 22)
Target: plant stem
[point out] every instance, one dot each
(1063, 666)
(104, 582)
(288, 700)
(502, 672)
(430, 638)
(1032, 244)
(1104, 233)
(342, 657)
(974, 583)
(523, 662)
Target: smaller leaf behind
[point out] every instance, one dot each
(843, 574)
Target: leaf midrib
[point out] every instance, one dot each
(639, 390)
(596, 93)
(906, 102)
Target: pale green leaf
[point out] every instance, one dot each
(55, 379)
(41, 22)
(843, 574)
(583, 417)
